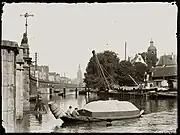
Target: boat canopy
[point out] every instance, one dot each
(110, 106)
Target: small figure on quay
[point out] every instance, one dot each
(40, 106)
(69, 111)
(75, 112)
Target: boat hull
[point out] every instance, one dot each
(84, 119)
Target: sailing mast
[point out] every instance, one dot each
(94, 54)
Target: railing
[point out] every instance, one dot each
(51, 82)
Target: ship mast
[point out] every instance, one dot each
(94, 54)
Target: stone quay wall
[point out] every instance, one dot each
(9, 51)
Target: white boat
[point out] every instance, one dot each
(111, 109)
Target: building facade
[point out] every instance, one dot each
(52, 76)
(165, 72)
(43, 72)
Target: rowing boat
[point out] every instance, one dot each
(96, 111)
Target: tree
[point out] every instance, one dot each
(140, 70)
(125, 69)
(93, 76)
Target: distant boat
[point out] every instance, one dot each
(95, 111)
(57, 90)
(82, 92)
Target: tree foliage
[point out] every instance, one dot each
(93, 76)
(119, 71)
(140, 70)
(125, 69)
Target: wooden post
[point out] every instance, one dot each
(88, 91)
(50, 91)
(64, 92)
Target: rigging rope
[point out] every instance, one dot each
(109, 75)
(102, 71)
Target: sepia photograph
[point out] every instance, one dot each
(89, 68)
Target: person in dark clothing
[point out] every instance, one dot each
(69, 112)
(75, 112)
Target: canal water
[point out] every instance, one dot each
(160, 116)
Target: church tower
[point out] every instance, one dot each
(79, 76)
(152, 49)
(151, 56)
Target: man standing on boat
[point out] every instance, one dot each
(75, 112)
(68, 112)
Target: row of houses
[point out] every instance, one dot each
(44, 74)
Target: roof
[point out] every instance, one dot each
(151, 47)
(167, 60)
(110, 106)
(138, 58)
(164, 71)
(52, 73)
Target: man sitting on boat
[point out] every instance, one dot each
(75, 112)
(69, 111)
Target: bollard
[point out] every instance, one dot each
(64, 92)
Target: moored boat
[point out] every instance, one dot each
(110, 109)
(82, 92)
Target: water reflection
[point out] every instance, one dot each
(160, 115)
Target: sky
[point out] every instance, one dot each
(64, 35)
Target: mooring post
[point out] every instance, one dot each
(50, 92)
(64, 92)
(76, 92)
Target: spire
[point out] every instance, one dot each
(151, 42)
(79, 66)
